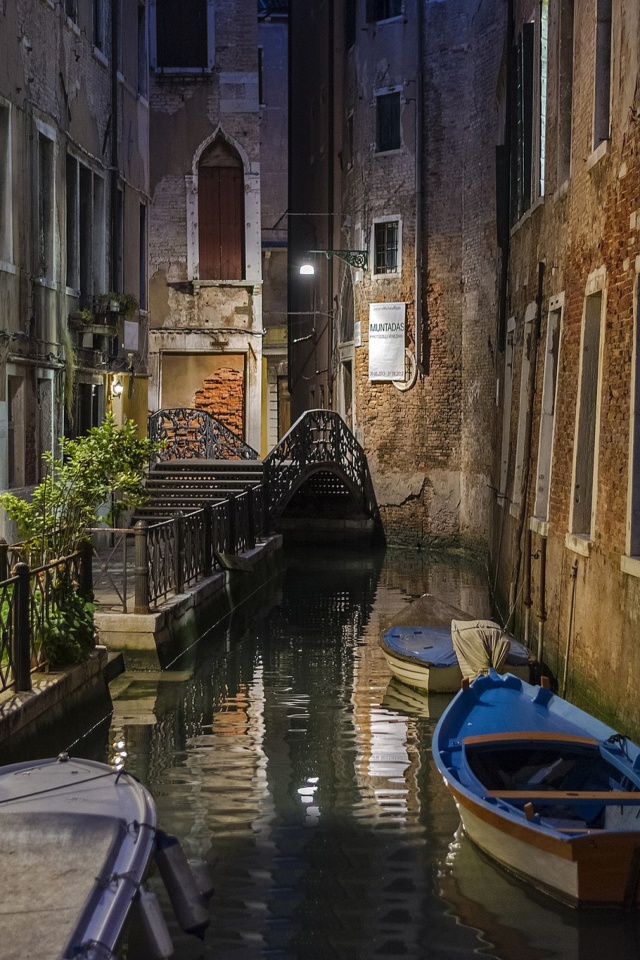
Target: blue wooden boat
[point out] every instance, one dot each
(423, 655)
(545, 789)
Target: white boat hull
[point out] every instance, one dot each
(433, 679)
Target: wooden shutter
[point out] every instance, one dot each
(221, 223)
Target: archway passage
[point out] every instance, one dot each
(220, 213)
(324, 507)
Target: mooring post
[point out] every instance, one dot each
(21, 647)
(233, 523)
(251, 519)
(208, 540)
(141, 592)
(85, 579)
(4, 559)
(178, 524)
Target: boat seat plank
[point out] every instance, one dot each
(536, 736)
(613, 796)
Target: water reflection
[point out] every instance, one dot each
(289, 760)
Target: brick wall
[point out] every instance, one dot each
(580, 227)
(222, 396)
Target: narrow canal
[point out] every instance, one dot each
(279, 751)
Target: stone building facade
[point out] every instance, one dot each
(74, 185)
(565, 549)
(205, 224)
(389, 162)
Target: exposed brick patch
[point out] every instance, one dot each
(222, 395)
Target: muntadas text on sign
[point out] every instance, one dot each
(386, 341)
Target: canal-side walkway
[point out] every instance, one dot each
(163, 634)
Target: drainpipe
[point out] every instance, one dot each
(420, 135)
(528, 602)
(574, 578)
(542, 609)
(113, 199)
(330, 204)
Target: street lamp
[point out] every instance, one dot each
(354, 258)
(117, 389)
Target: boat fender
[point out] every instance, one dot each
(186, 898)
(202, 872)
(157, 939)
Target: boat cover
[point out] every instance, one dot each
(434, 645)
(479, 645)
(431, 645)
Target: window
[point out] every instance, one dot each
(85, 230)
(387, 121)
(565, 89)
(143, 65)
(349, 23)
(182, 35)
(261, 76)
(46, 207)
(543, 61)
(547, 418)
(16, 431)
(383, 10)
(523, 125)
(6, 192)
(386, 246)
(585, 453)
(633, 525)
(602, 93)
(221, 214)
(99, 28)
(71, 9)
(117, 266)
(143, 257)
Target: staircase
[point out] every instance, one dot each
(188, 485)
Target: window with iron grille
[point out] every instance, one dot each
(386, 242)
(383, 10)
(388, 122)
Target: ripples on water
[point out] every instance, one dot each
(288, 760)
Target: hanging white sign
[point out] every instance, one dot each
(386, 341)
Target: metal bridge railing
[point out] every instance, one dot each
(184, 433)
(318, 437)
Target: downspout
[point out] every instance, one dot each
(113, 199)
(330, 204)
(542, 609)
(419, 253)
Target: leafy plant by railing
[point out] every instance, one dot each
(44, 620)
(108, 465)
(184, 433)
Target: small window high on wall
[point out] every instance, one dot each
(221, 214)
(182, 37)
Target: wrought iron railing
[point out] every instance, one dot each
(184, 433)
(30, 600)
(317, 438)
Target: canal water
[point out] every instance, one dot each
(280, 752)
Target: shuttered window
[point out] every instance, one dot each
(182, 35)
(387, 122)
(221, 223)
